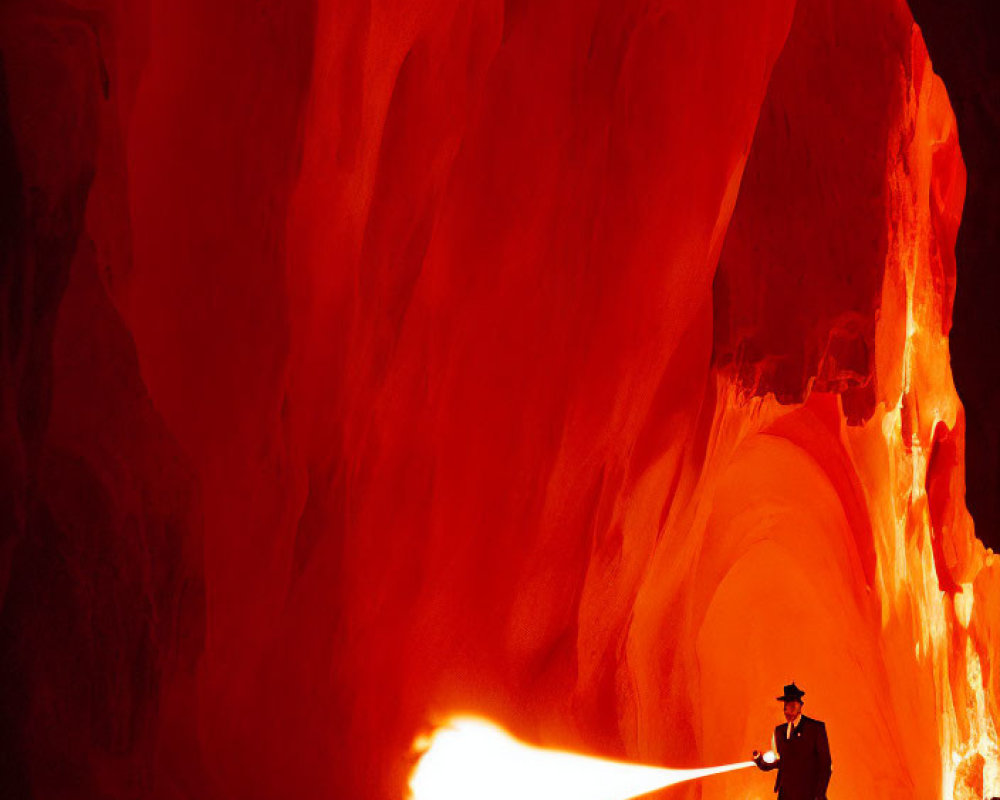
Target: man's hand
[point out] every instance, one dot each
(765, 761)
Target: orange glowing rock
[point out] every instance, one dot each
(584, 365)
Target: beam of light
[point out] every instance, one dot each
(472, 759)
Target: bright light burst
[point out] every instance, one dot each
(472, 759)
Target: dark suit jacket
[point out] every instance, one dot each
(803, 763)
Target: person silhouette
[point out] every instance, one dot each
(801, 752)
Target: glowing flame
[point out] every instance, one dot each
(473, 758)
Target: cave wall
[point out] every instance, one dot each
(959, 39)
(580, 365)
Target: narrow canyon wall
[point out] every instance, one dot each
(581, 365)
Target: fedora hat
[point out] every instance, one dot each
(792, 693)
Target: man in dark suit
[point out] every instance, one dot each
(802, 752)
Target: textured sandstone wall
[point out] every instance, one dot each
(583, 365)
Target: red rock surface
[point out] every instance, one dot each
(580, 365)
